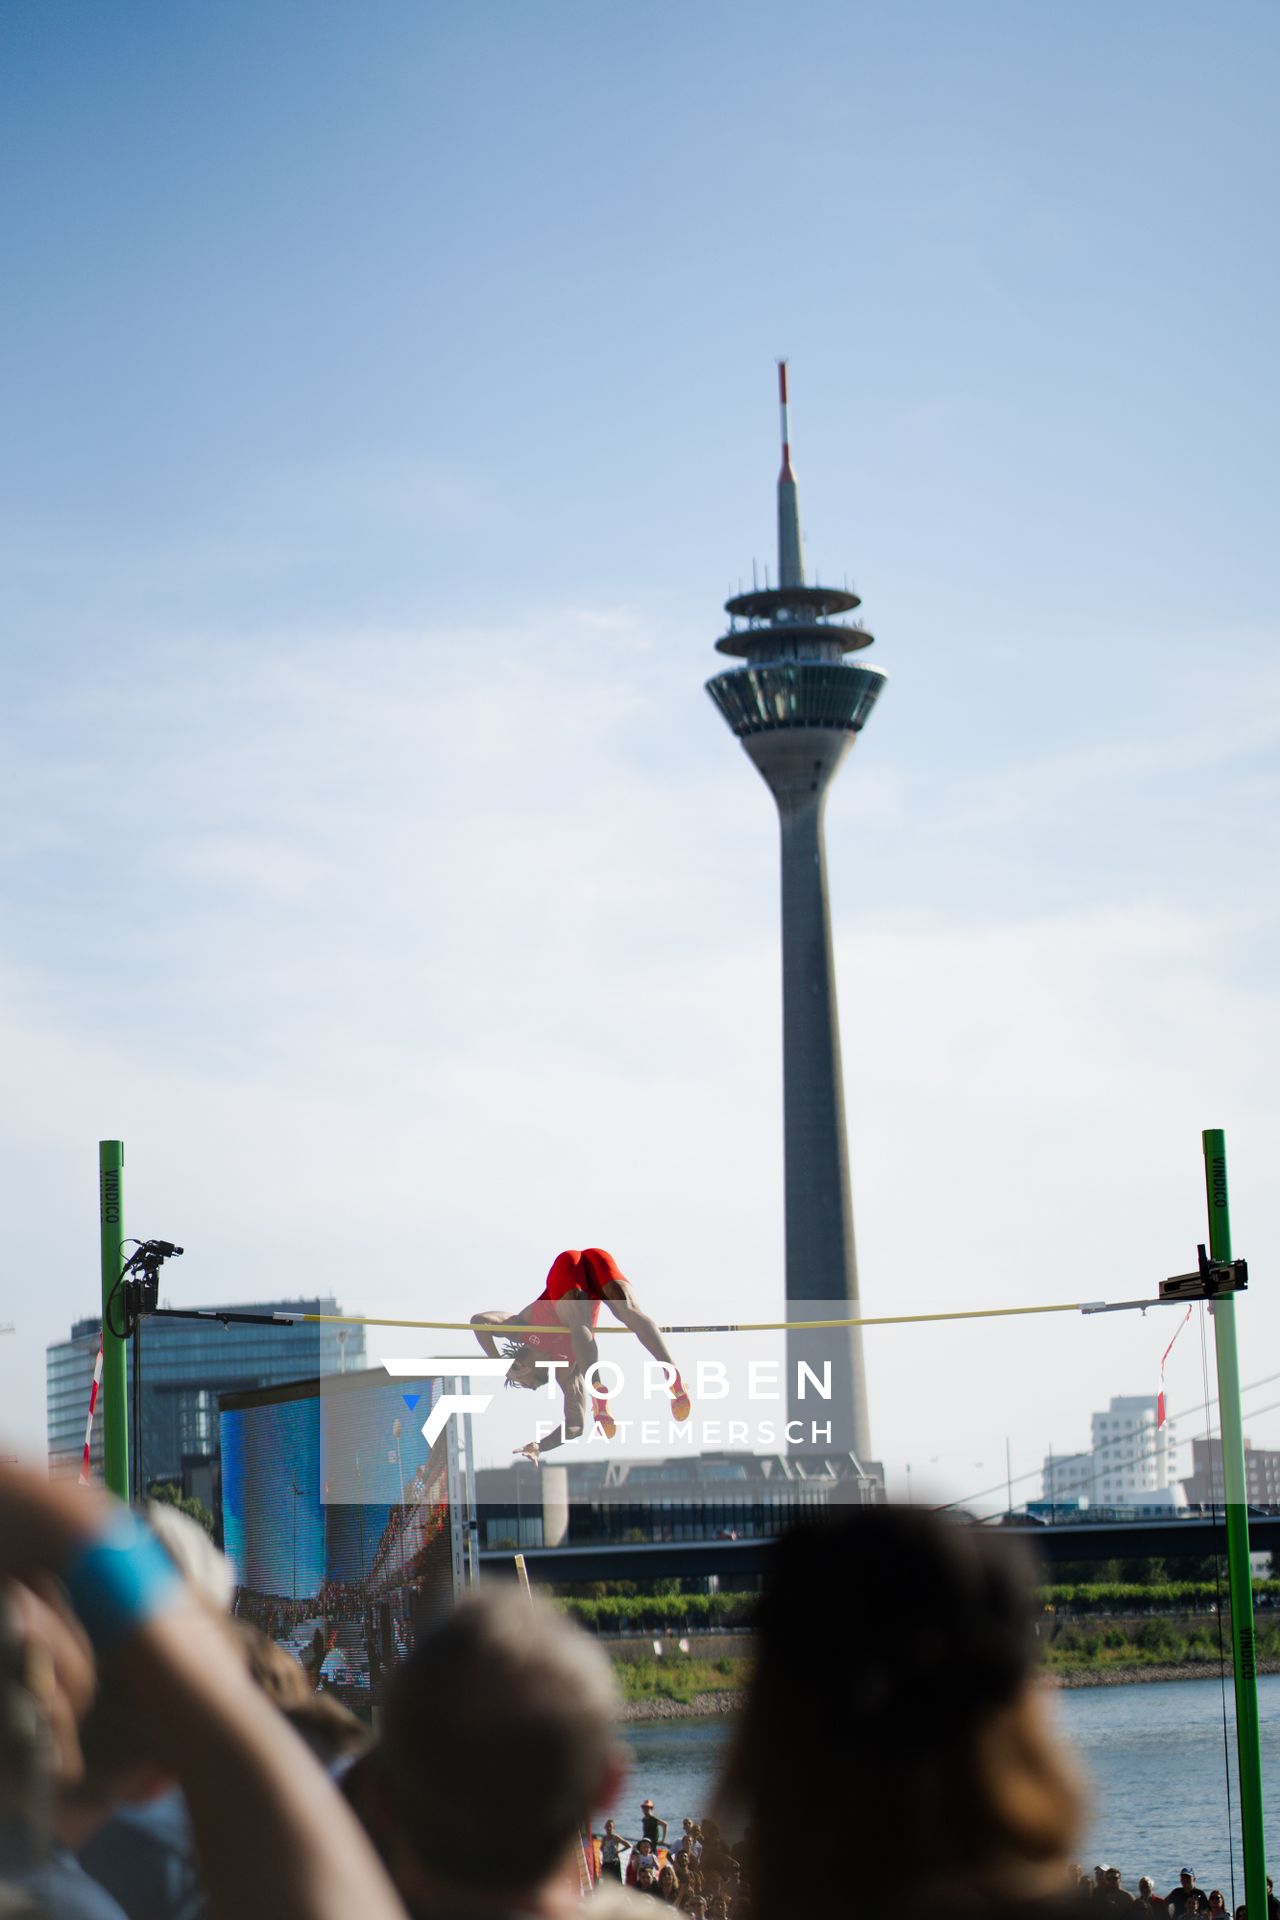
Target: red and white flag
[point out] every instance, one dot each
(1160, 1406)
(93, 1407)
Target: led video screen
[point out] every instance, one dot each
(337, 1516)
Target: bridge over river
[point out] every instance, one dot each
(1063, 1541)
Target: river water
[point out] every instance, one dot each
(1153, 1755)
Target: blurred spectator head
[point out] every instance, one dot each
(505, 1708)
(331, 1730)
(915, 1727)
(205, 1568)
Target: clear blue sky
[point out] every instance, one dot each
(388, 407)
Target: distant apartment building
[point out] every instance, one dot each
(186, 1364)
(1068, 1476)
(1204, 1487)
(1132, 1462)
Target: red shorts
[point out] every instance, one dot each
(572, 1275)
(586, 1273)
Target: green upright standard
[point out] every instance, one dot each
(1239, 1571)
(115, 1368)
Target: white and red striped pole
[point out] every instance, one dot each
(784, 411)
(93, 1408)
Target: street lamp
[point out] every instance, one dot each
(360, 1518)
(293, 1481)
(396, 1430)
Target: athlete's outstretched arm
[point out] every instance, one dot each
(574, 1390)
(490, 1319)
(575, 1405)
(481, 1323)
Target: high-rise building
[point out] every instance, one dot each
(796, 704)
(186, 1364)
(1132, 1462)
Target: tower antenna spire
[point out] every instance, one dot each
(797, 705)
(790, 552)
(785, 412)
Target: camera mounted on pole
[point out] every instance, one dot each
(1211, 1280)
(139, 1283)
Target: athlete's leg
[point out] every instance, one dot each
(586, 1356)
(617, 1290)
(646, 1331)
(574, 1389)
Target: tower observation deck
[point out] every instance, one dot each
(797, 705)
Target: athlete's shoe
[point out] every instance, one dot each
(681, 1404)
(602, 1417)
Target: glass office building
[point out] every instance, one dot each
(185, 1365)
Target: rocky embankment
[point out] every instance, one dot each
(1131, 1676)
(701, 1705)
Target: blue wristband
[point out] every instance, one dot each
(119, 1580)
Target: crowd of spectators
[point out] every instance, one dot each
(161, 1760)
(1104, 1889)
(696, 1870)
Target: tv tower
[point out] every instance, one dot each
(796, 705)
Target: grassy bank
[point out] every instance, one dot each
(1076, 1648)
(680, 1678)
(1074, 1654)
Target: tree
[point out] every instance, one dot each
(168, 1494)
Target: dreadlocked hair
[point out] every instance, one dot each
(514, 1350)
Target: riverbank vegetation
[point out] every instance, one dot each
(1151, 1643)
(1105, 1628)
(1111, 1651)
(729, 1612)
